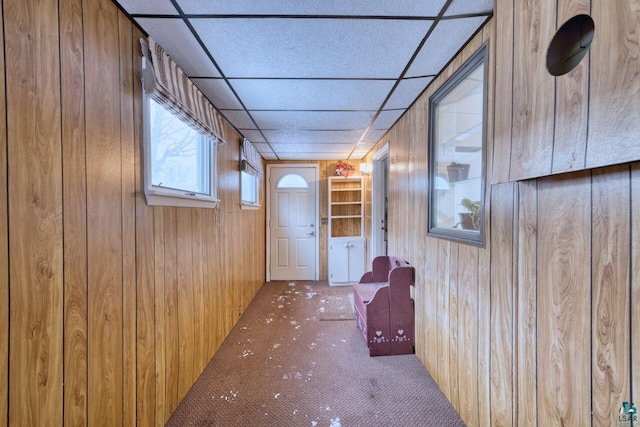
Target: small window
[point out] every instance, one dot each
(249, 190)
(180, 162)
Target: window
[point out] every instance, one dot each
(250, 176)
(180, 162)
(456, 154)
(292, 180)
(249, 189)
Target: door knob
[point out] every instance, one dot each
(312, 234)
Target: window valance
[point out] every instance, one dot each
(168, 85)
(252, 160)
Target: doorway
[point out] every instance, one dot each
(380, 202)
(292, 219)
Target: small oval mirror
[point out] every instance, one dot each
(570, 44)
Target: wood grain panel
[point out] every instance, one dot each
(34, 175)
(572, 102)
(171, 310)
(198, 349)
(104, 213)
(501, 159)
(147, 259)
(526, 332)
(75, 212)
(431, 296)
(484, 331)
(156, 392)
(186, 333)
(454, 264)
(4, 250)
(564, 311)
(614, 109)
(610, 293)
(443, 376)
(468, 334)
(127, 149)
(533, 90)
(635, 282)
(502, 220)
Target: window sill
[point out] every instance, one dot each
(248, 207)
(180, 202)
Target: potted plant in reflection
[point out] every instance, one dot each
(470, 220)
(457, 171)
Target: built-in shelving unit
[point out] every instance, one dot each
(347, 247)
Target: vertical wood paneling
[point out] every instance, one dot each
(171, 310)
(564, 296)
(533, 90)
(526, 333)
(4, 250)
(610, 293)
(198, 292)
(501, 159)
(104, 214)
(454, 262)
(635, 282)
(34, 176)
(75, 213)
(468, 334)
(502, 201)
(160, 334)
(186, 336)
(484, 332)
(614, 110)
(128, 205)
(443, 375)
(572, 91)
(146, 257)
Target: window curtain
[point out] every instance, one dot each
(169, 86)
(251, 159)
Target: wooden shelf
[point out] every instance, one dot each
(346, 207)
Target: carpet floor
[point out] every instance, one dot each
(295, 358)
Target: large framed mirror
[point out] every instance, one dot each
(457, 153)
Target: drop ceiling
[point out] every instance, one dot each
(314, 79)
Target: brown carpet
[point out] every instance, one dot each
(295, 359)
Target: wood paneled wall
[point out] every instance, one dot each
(109, 308)
(584, 119)
(533, 328)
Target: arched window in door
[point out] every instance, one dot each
(292, 180)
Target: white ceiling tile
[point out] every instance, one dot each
(218, 92)
(154, 7)
(311, 47)
(314, 155)
(325, 7)
(293, 148)
(386, 119)
(320, 137)
(269, 156)
(253, 136)
(407, 92)
(262, 147)
(240, 119)
(329, 120)
(176, 39)
(445, 41)
(312, 94)
(358, 155)
(374, 135)
(462, 7)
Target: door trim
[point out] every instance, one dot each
(316, 168)
(377, 202)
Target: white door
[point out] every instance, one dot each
(292, 222)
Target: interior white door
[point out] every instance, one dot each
(292, 223)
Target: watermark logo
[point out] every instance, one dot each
(627, 413)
